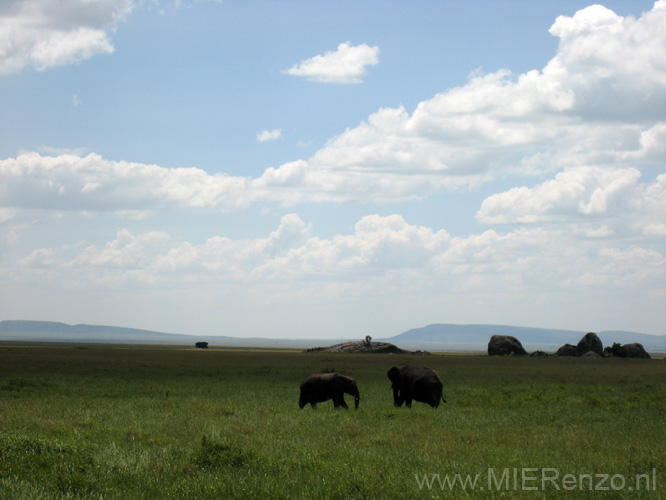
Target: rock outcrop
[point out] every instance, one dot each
(635, 350)
(590, 342)
(566, 350)
(367, 347)
(505, 345)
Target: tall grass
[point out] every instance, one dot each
(102, 422)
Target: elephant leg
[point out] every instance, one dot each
(313, 405)
(339, 400)
(408, 402)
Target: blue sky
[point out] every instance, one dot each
(333, 169)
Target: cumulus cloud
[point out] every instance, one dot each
(613, 64)
(542, 123)
(377, 243)
(584, 135)
(345, 65)
(126, 252)
(575, 191)
(599, 102)
(381, 251)
(269, 135)
(588, 105)
(44, 34)
(593, 202)
(73, 182)
(391, 270)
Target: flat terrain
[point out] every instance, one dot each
(91, 421)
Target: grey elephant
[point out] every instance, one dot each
(414, 383)
(320, 387)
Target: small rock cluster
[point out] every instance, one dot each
(590, 346)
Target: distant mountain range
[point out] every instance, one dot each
(49, 331)
(466, 337)
(437, 337)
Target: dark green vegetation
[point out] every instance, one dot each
(109, 422)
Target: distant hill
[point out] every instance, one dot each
(437, 337)
(61, 332)
(49, 331)
(476, 337)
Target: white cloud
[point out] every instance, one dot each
(125, 252)
(613, 64)
(537, 123)
(73, 182)
(38, 258)
(346, 65)
(575, 191)
(7, 214)
(385, 274)
(585, 135)
(44, 34)
(595, 202)
(269, 135)
(384, 256)
(591, 106)
(377, 245)
(622, 268)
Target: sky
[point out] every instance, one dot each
(333, 169)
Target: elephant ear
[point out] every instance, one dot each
(338, 382)
(394, 375)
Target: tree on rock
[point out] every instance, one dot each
(634, 350)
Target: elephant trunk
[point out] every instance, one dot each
(396, 391)
(357, 398)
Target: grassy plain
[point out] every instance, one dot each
(90, 421)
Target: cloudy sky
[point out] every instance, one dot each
(333, 169)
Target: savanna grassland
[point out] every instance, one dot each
(91, 421)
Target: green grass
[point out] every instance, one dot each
(109, 422)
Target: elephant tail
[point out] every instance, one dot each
(442, 396)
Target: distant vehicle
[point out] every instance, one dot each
(201, 345)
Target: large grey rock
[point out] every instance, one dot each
(590, 342)
(566, 350)
(635, 350)
(369, 347)
(505, 345)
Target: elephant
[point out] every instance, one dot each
(320, 387)
(415, 383)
